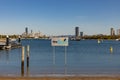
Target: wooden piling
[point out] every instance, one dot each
(7, 41)
(28, 54)
(22, 61)
(28, 51)
(19, 40)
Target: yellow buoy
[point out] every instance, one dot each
(111, 49)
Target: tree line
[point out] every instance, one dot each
(101, 37)
(84, 37)
(10, 36)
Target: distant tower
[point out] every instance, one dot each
(112, 31)
(118, 32)
(26, 31)
(77, 37)
(31, 31)
(76, 32)
(81, 34)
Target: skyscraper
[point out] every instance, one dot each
(112, 31)
(81, 34)
(26, 31)
(76, 31)
(118, 32)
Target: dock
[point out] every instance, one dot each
(10, 43)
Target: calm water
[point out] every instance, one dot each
(85, 57)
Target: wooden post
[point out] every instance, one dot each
(19, 40)
(7, 41)
(28, 54)
(22, 61)
(28, 51)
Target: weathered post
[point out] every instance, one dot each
(28, 51)
(28, 54)
(7, 40)
(22, 62)
(19, 39)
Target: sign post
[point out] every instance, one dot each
(54, 55)
(65, 60)
(60, 41)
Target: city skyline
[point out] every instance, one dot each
(59, 17)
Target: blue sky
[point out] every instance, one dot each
(58, 17)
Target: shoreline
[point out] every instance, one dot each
(61, 78)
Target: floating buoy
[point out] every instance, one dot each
(111, 49)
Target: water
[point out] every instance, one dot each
(85, 57)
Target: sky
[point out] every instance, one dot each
(59, 17)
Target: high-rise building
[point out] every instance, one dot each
(77, 37)
(112, 31)
(118, 32)
(76, 32)
(26, 31)
(81, 34)
(31, 31)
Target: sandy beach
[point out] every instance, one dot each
(59, 78)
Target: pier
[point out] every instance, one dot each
(9, 43)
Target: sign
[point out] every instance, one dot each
(59, 41)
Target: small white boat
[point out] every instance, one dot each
(118, 39)
(99, 41)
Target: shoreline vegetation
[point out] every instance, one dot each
(106, 37)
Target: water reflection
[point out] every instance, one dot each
(4, 56)
(7, 56)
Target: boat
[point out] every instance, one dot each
(99, 41)
(118, 39)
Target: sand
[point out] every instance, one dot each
(59, 78)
